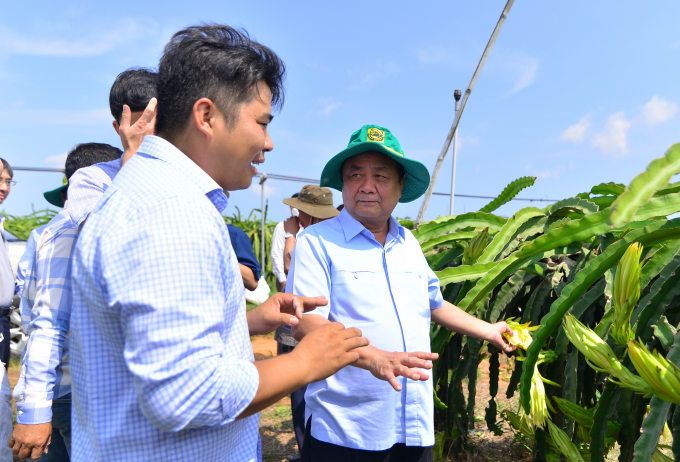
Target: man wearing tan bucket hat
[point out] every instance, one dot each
(376, 278)
(314, 205)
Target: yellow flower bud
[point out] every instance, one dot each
(626, 293)
(601, 357)
(564, 444)
(662, 376)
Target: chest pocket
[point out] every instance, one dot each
(344, 278)
(411, 290)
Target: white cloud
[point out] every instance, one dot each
(269, 191)
(613, 139)
(467, 141)
(577, 133)
(58, 116)
(58, 160)
(328, 105)
(379, 70)
(546, 172)
(520, 68)
(658, 110)
(102, 41)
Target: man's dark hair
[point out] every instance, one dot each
(86, 154)
(295, 195)
(216, 62)
(6, 166)
(134, 87)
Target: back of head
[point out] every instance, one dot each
(6, 167)
(134, 87)
(86, 154)
(215, 62)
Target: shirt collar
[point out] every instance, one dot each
(351, 227)
(159, 148)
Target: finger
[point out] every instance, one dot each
(504, 327)
(298, 308)
(424, 355)
(351, 332)
(127, 116)
(310, 303)
(356, 342)
(413, 374)
(288, 320)
(416, 362)
(392, 380)
(24, 451)
(150, 111)
(37, 452)
(10, 443)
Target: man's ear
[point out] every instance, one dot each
(204, 114)
(116, 127)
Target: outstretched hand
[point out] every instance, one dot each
(131, 136)
(388, 366)
(495, 337)
(281, 309)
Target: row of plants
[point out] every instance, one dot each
(591, 285)
(21, 227)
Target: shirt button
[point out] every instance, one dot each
(356, 275)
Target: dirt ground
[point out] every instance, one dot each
(278, 438)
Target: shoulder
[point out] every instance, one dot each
(101, 171)
(236, 233)
(60, 227)
(327, 231)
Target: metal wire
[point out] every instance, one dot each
(274, 176)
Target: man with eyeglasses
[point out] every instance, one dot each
(6, 295)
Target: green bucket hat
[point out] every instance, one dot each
(54, 196)
(376, 138)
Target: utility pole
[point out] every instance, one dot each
(459, 113)
(263, 178)
(456, 94)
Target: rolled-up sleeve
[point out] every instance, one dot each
(309, 274)
(172, 310)
(433, 289)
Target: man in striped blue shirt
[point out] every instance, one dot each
(162, 365)
(43, 392)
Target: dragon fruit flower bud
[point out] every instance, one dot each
(475, 248)
(563, 442)
(601, 357)
(626, 292)
(662, 376)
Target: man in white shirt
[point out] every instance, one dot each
(278, 244)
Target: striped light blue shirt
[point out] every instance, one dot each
(26, 258)
(388, 293)
(46, 304)
(87, 185)
(161, 355)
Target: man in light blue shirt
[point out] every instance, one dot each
(162, 366)
(43, 392)
(376, 278)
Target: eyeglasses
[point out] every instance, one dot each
(8, 182)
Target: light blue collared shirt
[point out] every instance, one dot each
(26, 258)
(46, 308)
(388, 293)
(161, 360)
(87, 186)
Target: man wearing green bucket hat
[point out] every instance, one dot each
(376, 278)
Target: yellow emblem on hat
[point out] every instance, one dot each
(375, 134)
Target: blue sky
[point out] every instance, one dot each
(575, 93)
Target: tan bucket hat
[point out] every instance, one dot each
(315, 201)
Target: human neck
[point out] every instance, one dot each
(379, 227)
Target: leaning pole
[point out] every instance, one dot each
(459, 113)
